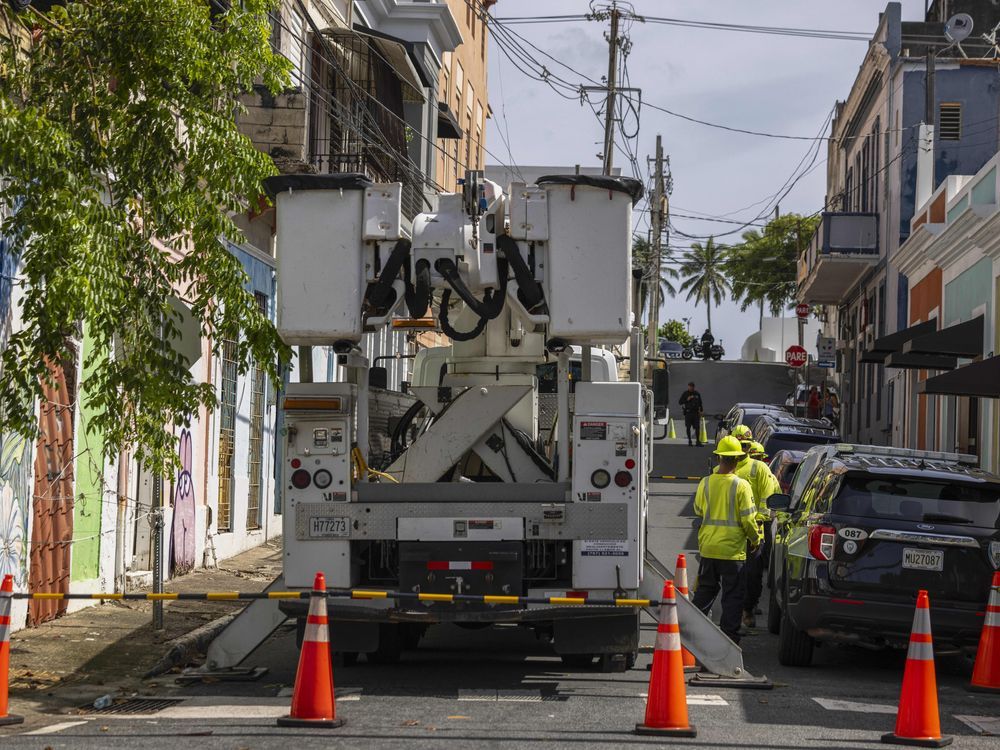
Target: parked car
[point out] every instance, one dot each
(747, 414)
(670, 349)
(783, 466)
(801, 399)
(784, 432)
(865, 528)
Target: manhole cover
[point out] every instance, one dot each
(133, 706)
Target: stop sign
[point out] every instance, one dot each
(795, 356)
(802, 310)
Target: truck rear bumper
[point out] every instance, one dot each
(436, 614)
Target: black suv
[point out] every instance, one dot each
(784, 432)
(746, 414)
(863, 529)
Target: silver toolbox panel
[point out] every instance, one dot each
(542, 520)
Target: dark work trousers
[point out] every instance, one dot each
(729, 575)
(691, 425)
(755, 571)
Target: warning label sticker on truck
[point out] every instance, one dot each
(593, 431)
(604, 548)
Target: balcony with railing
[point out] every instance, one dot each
(357, 121)
(844, 247)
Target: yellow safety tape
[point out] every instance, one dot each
(161, 597)
(222, 595)
(283, 595)
(501, 599)
(632, 602)
(566, 600)
(436, 597)
(369, 594)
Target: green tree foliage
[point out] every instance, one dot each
(762, 269)
(703, 271)
(644, 259)
(674, 330)
(124, 168)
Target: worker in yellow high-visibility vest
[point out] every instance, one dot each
(764, 484)
(724, 502)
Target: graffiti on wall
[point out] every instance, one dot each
(182, 535)
(15, 491)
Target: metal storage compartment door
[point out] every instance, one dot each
(319, 254)
(588, 281)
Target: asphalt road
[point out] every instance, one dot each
(502, 688)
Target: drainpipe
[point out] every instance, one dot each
(925, 142)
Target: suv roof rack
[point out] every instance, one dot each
(966, 459)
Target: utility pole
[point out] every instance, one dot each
(609, 108)
(657, 209)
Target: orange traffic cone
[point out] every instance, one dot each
(917, 720)
(6, 595)
(681, 582)
(312, 701)
(666, 702)
(986, 673)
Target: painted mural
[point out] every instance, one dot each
(15, 491)
(182, 535)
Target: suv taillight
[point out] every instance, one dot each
(821, 540)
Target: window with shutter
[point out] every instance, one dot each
(950, 121)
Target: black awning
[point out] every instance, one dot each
(905, 361)
(960, 340)
(980, 379)
(448, 126)
(886, 345)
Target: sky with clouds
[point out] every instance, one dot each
(774, 84)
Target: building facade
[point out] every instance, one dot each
(879, 159)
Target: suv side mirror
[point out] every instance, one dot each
(779, 501)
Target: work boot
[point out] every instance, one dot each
(749, 620)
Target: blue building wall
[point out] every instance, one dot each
(977, 89)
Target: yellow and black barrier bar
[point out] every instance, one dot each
(673, 476)
(224, 596)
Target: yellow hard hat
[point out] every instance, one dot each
(756, 449)
(742, 432)
(729, 446)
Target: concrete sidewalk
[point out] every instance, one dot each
(107, 648)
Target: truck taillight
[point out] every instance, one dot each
(301, 479)
(821, 541)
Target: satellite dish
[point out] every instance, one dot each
(958, 28)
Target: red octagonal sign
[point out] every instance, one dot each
(802, 310)
(796, 356)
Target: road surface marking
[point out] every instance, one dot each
(53, 728)
(988, 725)
(863, 708)
(699, 699)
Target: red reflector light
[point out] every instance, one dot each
(437, 565)
(482, 565)
(821, 541)
(301, 479)
(630, 464)
(295, 463)
(853, 602)
(623, 478)
(577, 594)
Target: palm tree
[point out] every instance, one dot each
(703, 269)
(643, 258)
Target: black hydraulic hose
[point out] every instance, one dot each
(451, 332)
(495, 298)
(529, 290)
(449, 271)
(381, 294)
(396, 445)
(418, 295)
